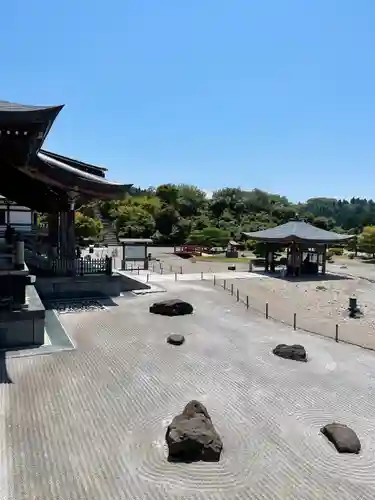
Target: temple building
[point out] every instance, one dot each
(41, 181)
(21, 219)
(44, 181)
(306, 246)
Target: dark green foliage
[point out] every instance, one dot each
(175, 214)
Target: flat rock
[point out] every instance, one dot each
(191, 436)
(296, 352)
(172, 307)
(175, 339)
(342, 437)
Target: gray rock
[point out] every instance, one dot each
(191, 436)
(175, 339)
(343, 437)
(173, 307)
(296, 352)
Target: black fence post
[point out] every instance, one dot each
(266, 310)
(238, 295)
(231, 289)
(337, 333)
(247, 302)
(295, 321)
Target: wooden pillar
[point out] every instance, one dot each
(67, 239)
(71, 234)
(266, 259)
(53, 229)
(62, 234)
(294, 257)
(8, 213)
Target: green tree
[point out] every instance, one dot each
(87, 227)
(134, 222)
(168, 194)
(210, 236)
(191, 200)
(366, 240)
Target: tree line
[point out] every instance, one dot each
(175, 214)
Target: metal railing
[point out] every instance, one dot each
(81, 267)
(70, 267)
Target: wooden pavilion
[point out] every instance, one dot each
(306, 246)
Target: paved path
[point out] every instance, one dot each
(90, 423)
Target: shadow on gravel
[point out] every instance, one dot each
(4, 376)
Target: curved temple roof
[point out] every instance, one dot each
(30, 125)
(63, 171)
(298, 231)
(11, 113)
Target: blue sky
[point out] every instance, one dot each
(273, 94)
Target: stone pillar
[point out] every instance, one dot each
(146, 261)
(123, 260)
(19, 261)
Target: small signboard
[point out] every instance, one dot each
(135, 252)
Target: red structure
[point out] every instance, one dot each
(190, 250)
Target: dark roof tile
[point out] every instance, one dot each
(299, 231)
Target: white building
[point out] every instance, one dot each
(22, 219)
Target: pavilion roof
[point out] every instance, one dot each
(298, 231)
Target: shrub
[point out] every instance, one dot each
(351, 256)
(336, 251)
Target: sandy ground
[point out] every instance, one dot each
(319, 304)
(90, 423)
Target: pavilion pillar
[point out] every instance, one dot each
(324, 259)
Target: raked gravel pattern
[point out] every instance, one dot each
(90, 423)
(76, 306)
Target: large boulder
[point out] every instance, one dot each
(191, 436)
(172, 307)
(343, 437)
(296, 352)
(175, 339)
